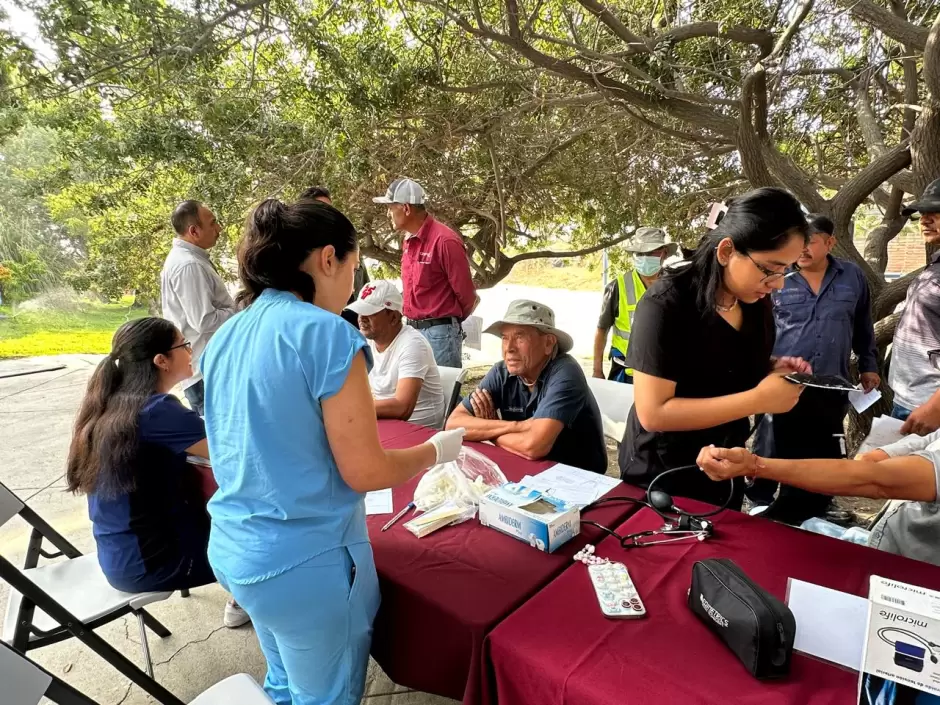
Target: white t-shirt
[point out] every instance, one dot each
(409, 357)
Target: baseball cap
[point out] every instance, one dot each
(376, 296)
(403, 191)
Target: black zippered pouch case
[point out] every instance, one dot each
(754, 624)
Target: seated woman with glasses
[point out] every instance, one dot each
(701, 347)
(128, 455)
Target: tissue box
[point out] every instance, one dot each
(902, 648)
(539, 519)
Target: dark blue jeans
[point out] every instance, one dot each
(899, 412)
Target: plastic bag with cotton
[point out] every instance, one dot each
(463, 481)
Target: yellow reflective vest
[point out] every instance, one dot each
(630, 291)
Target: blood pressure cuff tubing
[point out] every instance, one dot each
(757, 627)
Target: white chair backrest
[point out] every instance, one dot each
(10, 505)
(449, 377)
(23, 682)
(613, 398)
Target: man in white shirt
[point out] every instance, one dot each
(194, 297)
(405, 380)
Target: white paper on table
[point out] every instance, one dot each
(830, 625)
(884, 431)
(862, 400)
(571, 484)
(379, 502)
(473, 329)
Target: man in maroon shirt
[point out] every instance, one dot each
(435, 272)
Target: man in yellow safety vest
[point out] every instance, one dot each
(650, 249)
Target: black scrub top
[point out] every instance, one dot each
(672, 338)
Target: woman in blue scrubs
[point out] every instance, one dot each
(294, 443)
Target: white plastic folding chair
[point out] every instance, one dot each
(239, 689)
(614, 400)
(25, 682)
(451, 380)
(71, 598)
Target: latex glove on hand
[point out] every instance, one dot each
(447, 444)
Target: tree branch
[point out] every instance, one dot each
(886, 22)
(868, 179)
(612, 21)
(760, 38)
(539, 254)
(791, 30)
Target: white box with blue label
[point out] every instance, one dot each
(542, 521)
(902, 649)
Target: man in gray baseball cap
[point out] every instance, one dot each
(536, 402)
(650, 249)
(438, 289)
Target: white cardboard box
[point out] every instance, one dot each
(539, 519)
(902, 646)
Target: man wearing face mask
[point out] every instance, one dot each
(650, 250)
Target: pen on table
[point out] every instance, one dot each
(398, 516)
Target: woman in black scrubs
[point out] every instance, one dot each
(701, 342)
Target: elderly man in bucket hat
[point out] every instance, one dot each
(650, 250)
(536, 402)
(915, 382)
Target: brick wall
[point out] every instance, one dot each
(905, 252)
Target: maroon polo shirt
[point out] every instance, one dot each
(435, 274)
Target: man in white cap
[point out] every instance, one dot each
(536, 402)
(405, 380)
(435, 272)
(650, 250)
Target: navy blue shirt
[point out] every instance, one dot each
(561, 393)
(825, 328)
(145, 536)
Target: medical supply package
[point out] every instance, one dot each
(541, 520)
(902, 646)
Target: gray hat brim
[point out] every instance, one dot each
(671, 248)
(927, 205)
(384, 200)
(565, 341)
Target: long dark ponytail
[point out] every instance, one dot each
(104, 441)
(759, 221)
(278, 239)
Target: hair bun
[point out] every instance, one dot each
(269, 216)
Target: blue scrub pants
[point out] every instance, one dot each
(314, 623)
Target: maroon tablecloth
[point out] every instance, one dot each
(557, 649)
(442, 594)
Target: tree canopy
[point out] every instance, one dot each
(530, 123)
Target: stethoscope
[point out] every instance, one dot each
(679, 525)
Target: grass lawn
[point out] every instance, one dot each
(88, 329)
